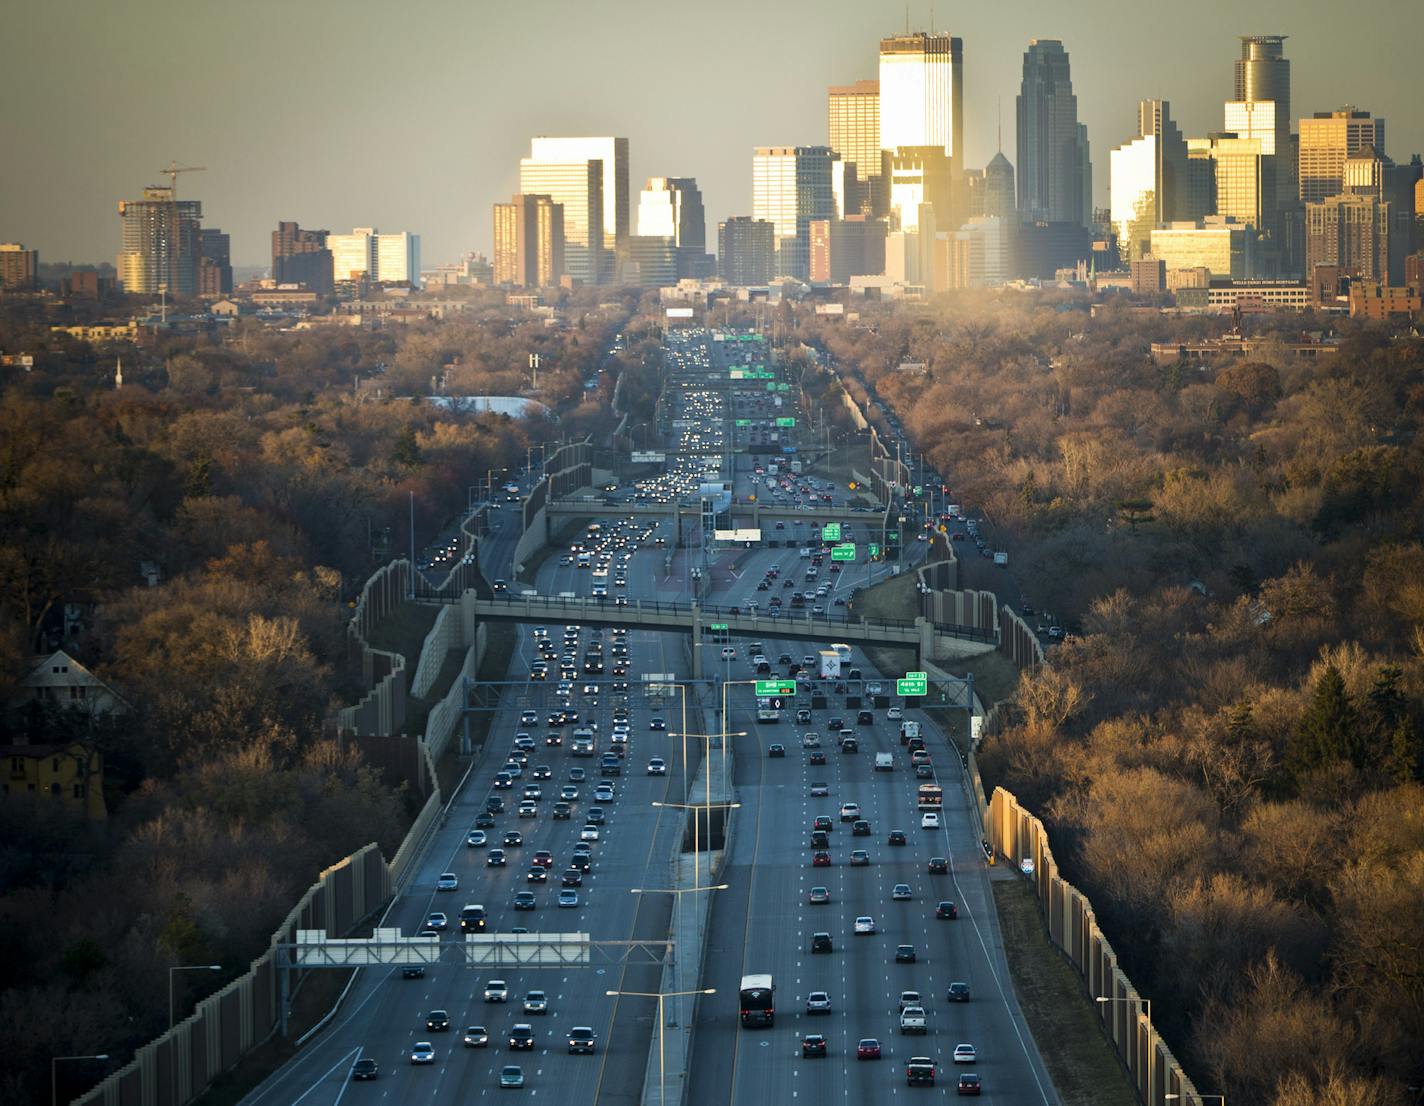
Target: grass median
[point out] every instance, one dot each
(1083, 1066)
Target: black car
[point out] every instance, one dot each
(958, 992)
(581, 861)
(495, 804)
(821, 942)
(484, 820)
(413, 971)
(437, 1021)
(865, 718)
(776, 750)
(513, 839)
(572, 878)
(364, 1068)
(522, 1036)
(897, 837)
(939, 866)
(813, 1044)
(905, 954)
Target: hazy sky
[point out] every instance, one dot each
(413, 116)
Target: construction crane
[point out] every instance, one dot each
(173, 169)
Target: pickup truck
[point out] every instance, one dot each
(912, 1020)
(920, 1072)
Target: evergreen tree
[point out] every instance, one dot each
(406, 451)
(1401, 763)
(1327, 731)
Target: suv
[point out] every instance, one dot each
(522, 1036)
(821, 942)
(582, 1039)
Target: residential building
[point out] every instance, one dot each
(1054, 173)
(612, 153)
(1326, 139)
(671, 207)
(746, 250)
(853, 130)
(1369, 299)
(529, 242)
(844, 248)
(85, 284)
(576, 185)
(791, 185)
(398, 258)
(69, 775)
(18, 267)
(1149, 276)
(1217, 243)
(302, 257)
(353, 256)
(58, 680)
(215, 263)
(1147, 179)
(1350, 233)
(159, 249)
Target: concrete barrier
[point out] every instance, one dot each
(383, 708)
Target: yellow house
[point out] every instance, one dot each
(70, 774)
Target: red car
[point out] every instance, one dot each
(868, 1049)
(946, 911)
(821, 860)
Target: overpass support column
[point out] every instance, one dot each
(696, 641)
(926, 648)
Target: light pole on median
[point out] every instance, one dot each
(679, 892)
(54, 1072)
(662, 1022)
(1147, 1002)
(185, 968)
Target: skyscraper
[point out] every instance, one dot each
(578, 187)
(999, 189)
(919, 176)
(1242, 178)
(791, 185)
(746, 250)
(398, 258)
(301, 257)
(1052, 144)
(214, 263)
(922, 92)
(353, 256)
(613, 153)
(1326, 139)
(18, 267)
(1261, 111)
(529, 242)
(160, 243)
(1147, 180)
(671, 207)
(853, 130)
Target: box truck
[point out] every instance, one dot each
(829, 664)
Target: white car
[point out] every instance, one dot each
(850, 812)
(729, 653)
(422, 1052)
(929, 820)
(865, 924)
(588, 833)
(894, 714)
(657, 767)
(448, 881)
(496, 990)
(964, 1054)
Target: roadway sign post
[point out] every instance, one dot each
(914, 684)
(843, 552)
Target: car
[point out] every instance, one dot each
(818, 1002)
(364, 1068)
(938, 866)
(813, 1044)
(865, 718)
(904, 954)
(816, 757)
(820, 839)
(924, 771)
(553, 738)
(475, 839)
(958, 992)
(513, 839)
(867, 1049)
(910, 998)
(821, 942)
(656, 767)
(422, 1052)
(522, 1036)
(603, 794)
(588, 833)
(543, 859)
(483, 820)
(503, 781)
(929, 820)
(536, 1002)
(572, 877)
(657, 724)
(528, 718)
(965, 1054)
(729, 653)
(448, 881)
(894, 714)
(595, 816)
(476, 1036)
(901, 893)
(577, 775)
(860, 828)
(822, 822)
(864, 925)
(820, 789)
(969, 1083)
(582, 1040)
(437, 921)
(524, 900)
(528, 809)
(413, 971)
(776, 749)
(859, 859)
(568, 899)
(568, 793)
(537, 875)
(897, 837)
(511, 1077)
(946, 911)
(494, 858)
(541, 772)
(820, 859)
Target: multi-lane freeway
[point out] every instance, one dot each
(766, 919)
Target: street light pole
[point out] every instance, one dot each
(662, 1022)
(54, 1072)
(185, 968)
(1147, 1002)
(679, 892)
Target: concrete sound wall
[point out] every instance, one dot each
(1017, 835)
(1017, 641)
(382, 710)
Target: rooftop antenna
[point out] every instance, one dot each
(1001, 124)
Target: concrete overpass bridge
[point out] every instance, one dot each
(592, 505)
(930, 641)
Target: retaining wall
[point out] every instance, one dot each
(446, 634)
(1018, 835)
(383, 708)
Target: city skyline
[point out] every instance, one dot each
(267, 162)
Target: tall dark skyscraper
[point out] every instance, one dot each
(1053, 166)
(301, 257)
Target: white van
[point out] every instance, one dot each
(884, 762)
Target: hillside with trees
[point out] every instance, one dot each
(1227, 750)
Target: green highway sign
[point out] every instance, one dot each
(786, 422)
(892, 535)
(831, 531)
(914, 683)
(919, 490)
(783, 387)
(843, 552)
(874, 550)
(718, 626)
(744, 422)
(782, 688)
